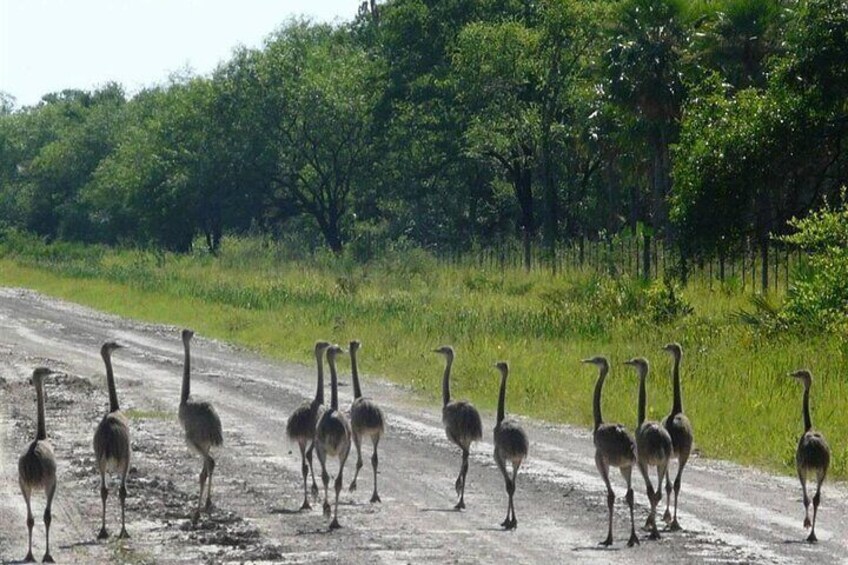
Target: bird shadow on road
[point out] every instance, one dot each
(287, 511)
(451, 510)
(86, 543)
(598, 547)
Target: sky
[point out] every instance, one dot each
(50, 45)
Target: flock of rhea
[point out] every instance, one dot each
(313, 426)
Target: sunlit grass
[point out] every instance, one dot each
(736, 391)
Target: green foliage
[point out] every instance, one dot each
(818, 298)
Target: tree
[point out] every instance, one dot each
(320, 97)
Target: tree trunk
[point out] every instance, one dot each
(523, 182)
(764, 258)
(646, 257)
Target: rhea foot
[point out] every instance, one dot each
(123, 534)
(459, 505)
(654, 535)
(334, 525)
(47, 558)
(103, 534)
(634, 540)
(812, 538)
(607, 542)
(29, 558)
(807, 522)
(375, 498)
(305, 505)
(352, 486)
(674, 526)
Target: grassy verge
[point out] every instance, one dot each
(736, 391)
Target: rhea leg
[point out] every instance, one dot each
(48, 517)
(626, 472)
(662, 471)
(802, 476)
(357, 441)
(460, 481)
(603, 469)
(514, 521)
(675, 526)
(502, 466)
(30, 522)
(667, 515)
(122, 493)
(210, 466)
(305, 470)
(312, 469)
(643, 469)
(104, 494)
(334, 525)
(325, 478)
(816, 499)
(203, 474)
(375, 439)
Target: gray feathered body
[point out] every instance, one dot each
(680, 430)
(112, 442)
(615, 445)
(511, 441)
(653, 444)
(202, 425)
(813, 453)
(37, 466)
(462, 423)
(366, 418)
(333, 433)
(300, 427)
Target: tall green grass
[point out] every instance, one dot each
(406, 303)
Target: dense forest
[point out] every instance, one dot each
(460, 124)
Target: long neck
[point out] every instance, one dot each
(186, 374)
(334, 384)
(677, 407)
(643, 397)
(110, 382)
(808, 422)
(446, 396)
(502, 398)
(319, 393)
(42, 427)
(596, 403)
(357, 391)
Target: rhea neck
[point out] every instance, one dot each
(319, 392)
(643, 395)
(110, 382)
(596, 403)
(502, 396)
(808, 422)
(446, 393)
(334, 382)
(39, 394)
(357, 391)
(186, 372)
(677, 406)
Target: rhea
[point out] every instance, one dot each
(37, 469)
(511, 444)
(680, 430)
(653, 446)
(614, 447)
(300, 426)
(811, 457)
(462, 423)
(366, 421)
(332, 437)
(202, 429)
(112, 444)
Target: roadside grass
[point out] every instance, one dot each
(736, 390)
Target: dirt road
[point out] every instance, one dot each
(730, 514)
